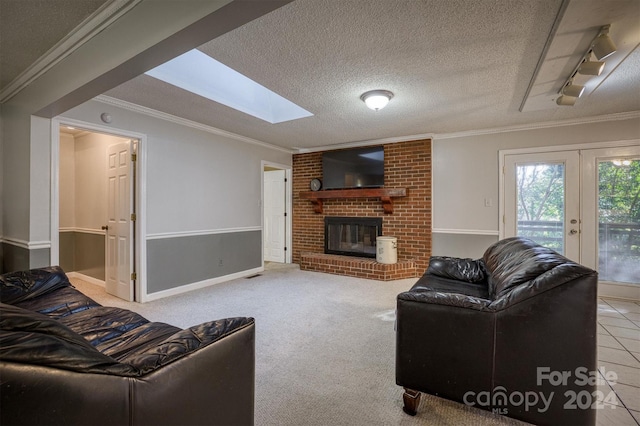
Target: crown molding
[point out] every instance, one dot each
(542, 125)
(371, 142)
(87, 29)
(184, 122)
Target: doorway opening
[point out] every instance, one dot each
(276, 213)
(95, 233)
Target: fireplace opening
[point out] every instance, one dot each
(352, 236)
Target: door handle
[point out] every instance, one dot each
(573, 232)
(105, 227)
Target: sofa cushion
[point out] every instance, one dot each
(514, 261)
(429, 282)
(60, 303)
(103, 323)
(23, 285)
(31, 338)
(468, 270)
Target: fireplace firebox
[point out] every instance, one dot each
(352, 236)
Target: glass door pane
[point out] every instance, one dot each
(619, 220)
(540, 208)
(541, 200)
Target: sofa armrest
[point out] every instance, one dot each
(558, 276)
(455, 268)
(183, 343)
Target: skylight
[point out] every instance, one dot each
(199, 73)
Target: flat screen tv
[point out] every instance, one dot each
(353, 168)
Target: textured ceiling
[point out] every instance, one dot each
(454, 65)
(30, 27)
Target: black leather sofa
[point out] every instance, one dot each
(66, 360)
(513, 332)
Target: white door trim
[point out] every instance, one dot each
(140, 195)
(288, 206)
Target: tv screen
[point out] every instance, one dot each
(353, 168)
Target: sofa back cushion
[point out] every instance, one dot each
(514, 261)
(24, 285)
(34, 339)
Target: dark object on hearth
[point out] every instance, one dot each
(519, 323)
(65, 359)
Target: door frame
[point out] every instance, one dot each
(288, 206)
(139, 186)
(604, 288)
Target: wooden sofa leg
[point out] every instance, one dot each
(411, 400)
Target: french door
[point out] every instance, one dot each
(584, 204)
(542, 200)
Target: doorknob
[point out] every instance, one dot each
(573, 232)
(105, 227)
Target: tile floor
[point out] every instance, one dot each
(619, 353)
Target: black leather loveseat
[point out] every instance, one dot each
(65, 359)
(513, 332)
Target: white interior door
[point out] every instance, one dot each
(542, 199)
(274, 216)
(119, 253)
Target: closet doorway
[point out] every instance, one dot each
(95, 191)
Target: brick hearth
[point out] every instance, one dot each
(357, 266)
(407, 165)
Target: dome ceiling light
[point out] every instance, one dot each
(376, 99)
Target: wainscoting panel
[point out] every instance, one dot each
(174, 262)
(83, 252)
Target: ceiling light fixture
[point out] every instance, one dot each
(376, 99)
(589, 67)
(573, 90)
(602, 46)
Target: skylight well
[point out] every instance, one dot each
(199, 73)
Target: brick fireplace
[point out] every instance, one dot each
(407, 165)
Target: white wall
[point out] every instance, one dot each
(196, 180)
(465, 173)
(67, 181)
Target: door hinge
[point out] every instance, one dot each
(133, 217)
(134, 157)
(134, 276)
(285, 214)
(285, 179)
(285, 249)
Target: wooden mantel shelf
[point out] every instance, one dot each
(384, 194)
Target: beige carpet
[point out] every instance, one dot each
(325, 347)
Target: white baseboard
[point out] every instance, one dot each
(201, 284)
(86, 278)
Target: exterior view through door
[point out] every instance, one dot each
(584, 204)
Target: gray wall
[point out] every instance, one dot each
(465, 173)
(183, 260)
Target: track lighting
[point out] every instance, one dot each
(564, 100)
(589, 67)
(573, 90)
(603, 46)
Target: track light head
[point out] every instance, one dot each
(564, 100)
(591, 67)
(573, 90)
(603, 46)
